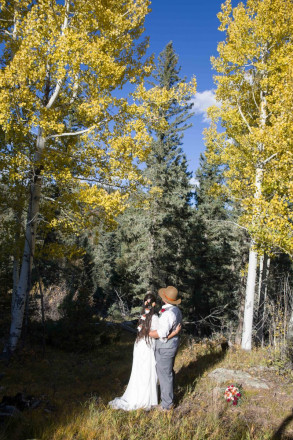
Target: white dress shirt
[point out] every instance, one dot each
(168, 321)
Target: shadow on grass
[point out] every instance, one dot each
(188, 375)
(279, 434)
(64, 382)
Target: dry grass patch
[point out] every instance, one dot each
(75, 389)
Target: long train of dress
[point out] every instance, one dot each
(141, 391)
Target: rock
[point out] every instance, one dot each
(223, 375)
(8, 410)
(20, 401)
(35, 404)
(50, 408)
(262, 368)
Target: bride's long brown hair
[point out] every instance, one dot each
(147, 311)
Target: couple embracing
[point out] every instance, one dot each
(154, 353)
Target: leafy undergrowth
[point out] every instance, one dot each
(74, 389)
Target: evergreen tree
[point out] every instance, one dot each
(220, 248)
(155, 240)
(106, 275)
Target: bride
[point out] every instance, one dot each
(141, 391)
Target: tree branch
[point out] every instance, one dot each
(243, 117)
(4, 31)
(73, 133)
(229, 221)
(269, 158)
(74, 89)
(59, 82)
(253, 95)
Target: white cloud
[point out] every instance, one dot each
(202, 101)
(194, 182)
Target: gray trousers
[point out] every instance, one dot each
(165, 358)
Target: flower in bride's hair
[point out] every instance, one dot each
(143, 317)
(146, 311)
(139, 328)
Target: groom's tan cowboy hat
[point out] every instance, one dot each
(169, 295)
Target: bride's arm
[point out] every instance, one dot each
(175, 332)
(155, 323)
(154, 334)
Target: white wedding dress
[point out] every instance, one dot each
(141, 391)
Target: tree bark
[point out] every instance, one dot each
(32, 218)
(151, 253)
(249, 299)
(252, 265)
(18, 306)
(263, 285)
(15, 271)
(260, 277)
(251, 277)
(290, 329)
(239, 330)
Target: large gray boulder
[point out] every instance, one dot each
(223, 375)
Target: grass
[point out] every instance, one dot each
(75, 388)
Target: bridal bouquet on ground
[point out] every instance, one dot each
(233, 394)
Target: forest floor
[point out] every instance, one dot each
(73, 390)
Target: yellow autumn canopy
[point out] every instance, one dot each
(254, 87)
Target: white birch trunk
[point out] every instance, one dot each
(15, 277)
(260, 277)
(21, 292)
(239, 330)
(252, 264)
(249, 300)
(15, 272)
(251, 279)
(263, 286)
(290, 329)
(18, 305)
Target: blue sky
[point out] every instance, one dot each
(192, 25)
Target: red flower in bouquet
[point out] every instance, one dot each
(232, 394)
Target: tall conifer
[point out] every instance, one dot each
(220, 246)
(155, 240)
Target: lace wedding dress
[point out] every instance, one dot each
(141, 391)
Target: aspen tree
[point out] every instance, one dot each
(254, 87)
(62, 62)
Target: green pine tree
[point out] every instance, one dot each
(220, 248)
(155, 241)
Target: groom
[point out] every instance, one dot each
(166, 350)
